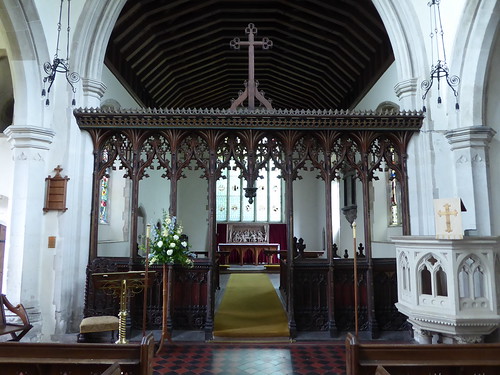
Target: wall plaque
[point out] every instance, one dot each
(55, 197)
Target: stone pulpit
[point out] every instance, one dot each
(449, 289)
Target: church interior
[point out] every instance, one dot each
(228, 179)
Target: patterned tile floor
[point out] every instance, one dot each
(254, 359)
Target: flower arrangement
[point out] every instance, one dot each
(168, 245)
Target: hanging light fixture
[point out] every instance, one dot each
(60, 65)
(440, 69)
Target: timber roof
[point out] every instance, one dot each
(326, 54)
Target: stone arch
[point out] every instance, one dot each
(7, 97)
(90, 41)
(474, 43)
(400, 20)
(26, 51)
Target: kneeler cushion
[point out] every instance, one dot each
(99, 324)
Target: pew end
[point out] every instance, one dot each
(77, 358)
(416, 359)
(351, 354)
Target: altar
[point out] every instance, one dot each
(246, 240)
(242, 248)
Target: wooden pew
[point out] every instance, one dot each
(77, 358)
(415, 359)
(15, 330)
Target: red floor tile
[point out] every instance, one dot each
(252, 359)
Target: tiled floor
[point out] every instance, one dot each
(254, 359)
(313, 353)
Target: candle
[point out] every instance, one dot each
(148, 231)
(353, 229)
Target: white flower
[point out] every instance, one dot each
(176, 237)
(172, 244)
(184, 243)
(159, 243)
(170, 252)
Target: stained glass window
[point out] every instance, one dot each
(232, 205)
(394, 195)
(104, 193)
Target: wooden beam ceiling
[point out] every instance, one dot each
(175, 54)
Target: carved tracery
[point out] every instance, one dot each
(331, 142)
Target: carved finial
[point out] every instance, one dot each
(58, 170)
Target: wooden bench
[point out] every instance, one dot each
(15, 330)
(413, 359)
(77, 359)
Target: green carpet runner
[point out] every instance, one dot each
(250, 307)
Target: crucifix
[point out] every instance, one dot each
(447, 213)
(251, 92)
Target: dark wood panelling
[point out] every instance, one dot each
(332, 141)
(311, 290)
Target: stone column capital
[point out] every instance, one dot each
(93, 88)
(32, 137)
(473, 136)
(406, 88)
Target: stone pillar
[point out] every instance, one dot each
(470, 153)
(30, 145)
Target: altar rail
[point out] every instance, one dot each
(76, 359)
(417, 359)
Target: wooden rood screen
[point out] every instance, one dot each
(331, 141)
